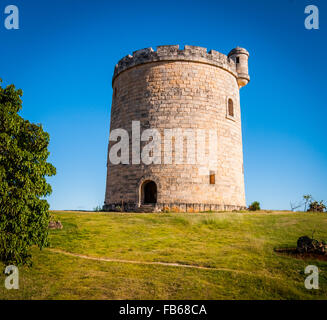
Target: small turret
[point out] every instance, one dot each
(240, 57)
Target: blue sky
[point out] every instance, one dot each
(65, 51)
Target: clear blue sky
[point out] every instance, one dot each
(63, 58)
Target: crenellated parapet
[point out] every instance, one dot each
(173, 53)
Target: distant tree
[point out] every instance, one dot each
(295, 206)
(307, 199)
(97, 209)
(254, 206)
(316, 206)
(24, 214)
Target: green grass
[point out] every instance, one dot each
(239, 245)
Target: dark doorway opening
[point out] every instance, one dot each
(149, 192)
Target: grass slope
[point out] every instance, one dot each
(239, 245)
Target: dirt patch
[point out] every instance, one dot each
(293, 252)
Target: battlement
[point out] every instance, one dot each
(173, 53)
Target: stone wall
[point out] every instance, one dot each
(189, 89)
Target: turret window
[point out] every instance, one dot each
(237, 59)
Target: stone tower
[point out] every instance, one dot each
(190, 92)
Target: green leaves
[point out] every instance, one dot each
(24, 215)
(254, 206)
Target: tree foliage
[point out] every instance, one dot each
(24, 213)
(316, 206)
(254, 206)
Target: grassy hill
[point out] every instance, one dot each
(173, 256)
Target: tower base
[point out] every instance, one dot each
(169, 207)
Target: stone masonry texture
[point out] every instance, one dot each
(189, 89)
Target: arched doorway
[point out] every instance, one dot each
(149, 192)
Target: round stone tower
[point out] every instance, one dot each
(176, 139)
